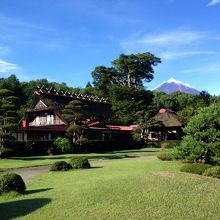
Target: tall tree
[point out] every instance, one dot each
(127, 101)
(127, 70)
(8, 116)
(133, 69)
(76, 113)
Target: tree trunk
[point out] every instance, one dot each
(74, 134)
(129, 79)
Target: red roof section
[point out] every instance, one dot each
(122, 128)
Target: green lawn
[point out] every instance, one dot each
(18, 162)
(117, 189)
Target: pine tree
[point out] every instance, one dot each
(8, 116)
(75, 113)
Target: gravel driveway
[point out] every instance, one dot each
(28, 173)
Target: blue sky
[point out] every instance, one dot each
(64, 40)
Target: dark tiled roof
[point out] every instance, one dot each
(57, 101)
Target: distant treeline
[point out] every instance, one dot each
(126, 101)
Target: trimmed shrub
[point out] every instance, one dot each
(170, 143)
(11, 182)
(213, 172)
(79, 163)
(196, 168)
(59, 165)
(164, 156)
(6, 153)
(63, 145)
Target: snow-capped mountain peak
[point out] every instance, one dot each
(172, 80)
(173, 85)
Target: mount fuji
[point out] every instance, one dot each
(173, 85)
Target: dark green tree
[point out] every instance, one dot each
(8, 116)
(127, 70)
(133, 69)
(126, 102)
(76, 113)
(202, 140)
(103, 78)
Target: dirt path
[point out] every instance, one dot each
(28, 173)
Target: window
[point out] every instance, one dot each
(50, 119)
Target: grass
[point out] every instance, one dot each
(117, 189)
(18, 162)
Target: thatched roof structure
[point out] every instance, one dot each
(168, 118)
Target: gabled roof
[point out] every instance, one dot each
(63, 97)
(57, 100)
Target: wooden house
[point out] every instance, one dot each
(43, 120)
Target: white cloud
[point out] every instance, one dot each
(6, 66)
(213, 2)
(182, 54)
(170, 39)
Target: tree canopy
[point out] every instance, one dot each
(127, 101)
(127, 70)
(75, 113)
(202, 140)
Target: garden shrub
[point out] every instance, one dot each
(170, 143)
(79, 162)
(62, 144)
(213, 172)
(11, 182)
(164, 156)
(174, 153)
(60, 165)
(196, 168)
(6, 153)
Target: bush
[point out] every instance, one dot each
(60, 165)
(196, 168)
(6, 153)
(79, 162)
(62, 144)
(164, 156)
(11, 182)
(170, 143)
(213, 172)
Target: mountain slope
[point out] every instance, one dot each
(173, 85)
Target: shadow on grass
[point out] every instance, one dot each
(112, 157)
(96, 167)
(41, 158)
(102, 156)
(136, 151)
(20, 208)
(36, 191)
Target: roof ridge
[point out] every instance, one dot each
(61, 93)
